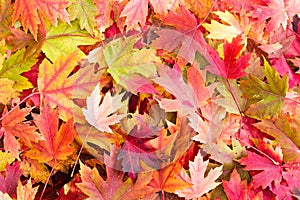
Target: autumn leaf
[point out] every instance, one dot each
(187, 37)
(199, 7)
(233, 65)
(7, 90)
(131, 67)
(265, 99)
(135, 12)
(19, 40)
(9, 183)
(197, 81)
(281, 130)
(104, 8)
(14, 67)
(269, 170)
(84, 11)
(172, 81)
(27, 12)
(64, 39)
(114, 187)
(102, 116)
(13, 126)
(166, 179)
(57, 87)
(279, 13)
(283, 68)
(5, 158)
(235, 188)
(135, 149)
(201, 184)
(5, 196)
(95, 187)
(219, 30)
(26, 192)
(56, 145)
(222, 153)
(6, 10)
(227, 101)
(163, 6)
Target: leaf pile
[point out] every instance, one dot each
(149, 99)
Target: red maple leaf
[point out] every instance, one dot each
(268, 170)
(235, 188)
(232, 67)
(10, 182)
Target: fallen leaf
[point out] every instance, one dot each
(26, 192)
(10, 182)
(27, 12)
(56, 145)
(85, 12)
(219, 30)
(13, 125)
(201, 184)
(135, 12)
(265, 99)
(235, 188)
(102, 116)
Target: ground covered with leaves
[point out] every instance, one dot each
(149, 99)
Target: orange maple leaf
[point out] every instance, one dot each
(56, 145)
(166, 179)
(13, 126)
(27, 11)
(58, 87)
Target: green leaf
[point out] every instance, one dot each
(281, 130)
(65, 39)
(265, 98)
(124, 61)
(84, 11)
(14, 66)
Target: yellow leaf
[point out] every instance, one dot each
(5, 157)
(223, 31)
(199, 7)
(6, 90)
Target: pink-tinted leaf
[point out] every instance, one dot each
(201, 184)
(235, 188)
(283, 68)
(9, 183)
(186, 36)
(135, 12)
(270, 171)
(102, 116)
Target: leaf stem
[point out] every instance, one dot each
(48, 179)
